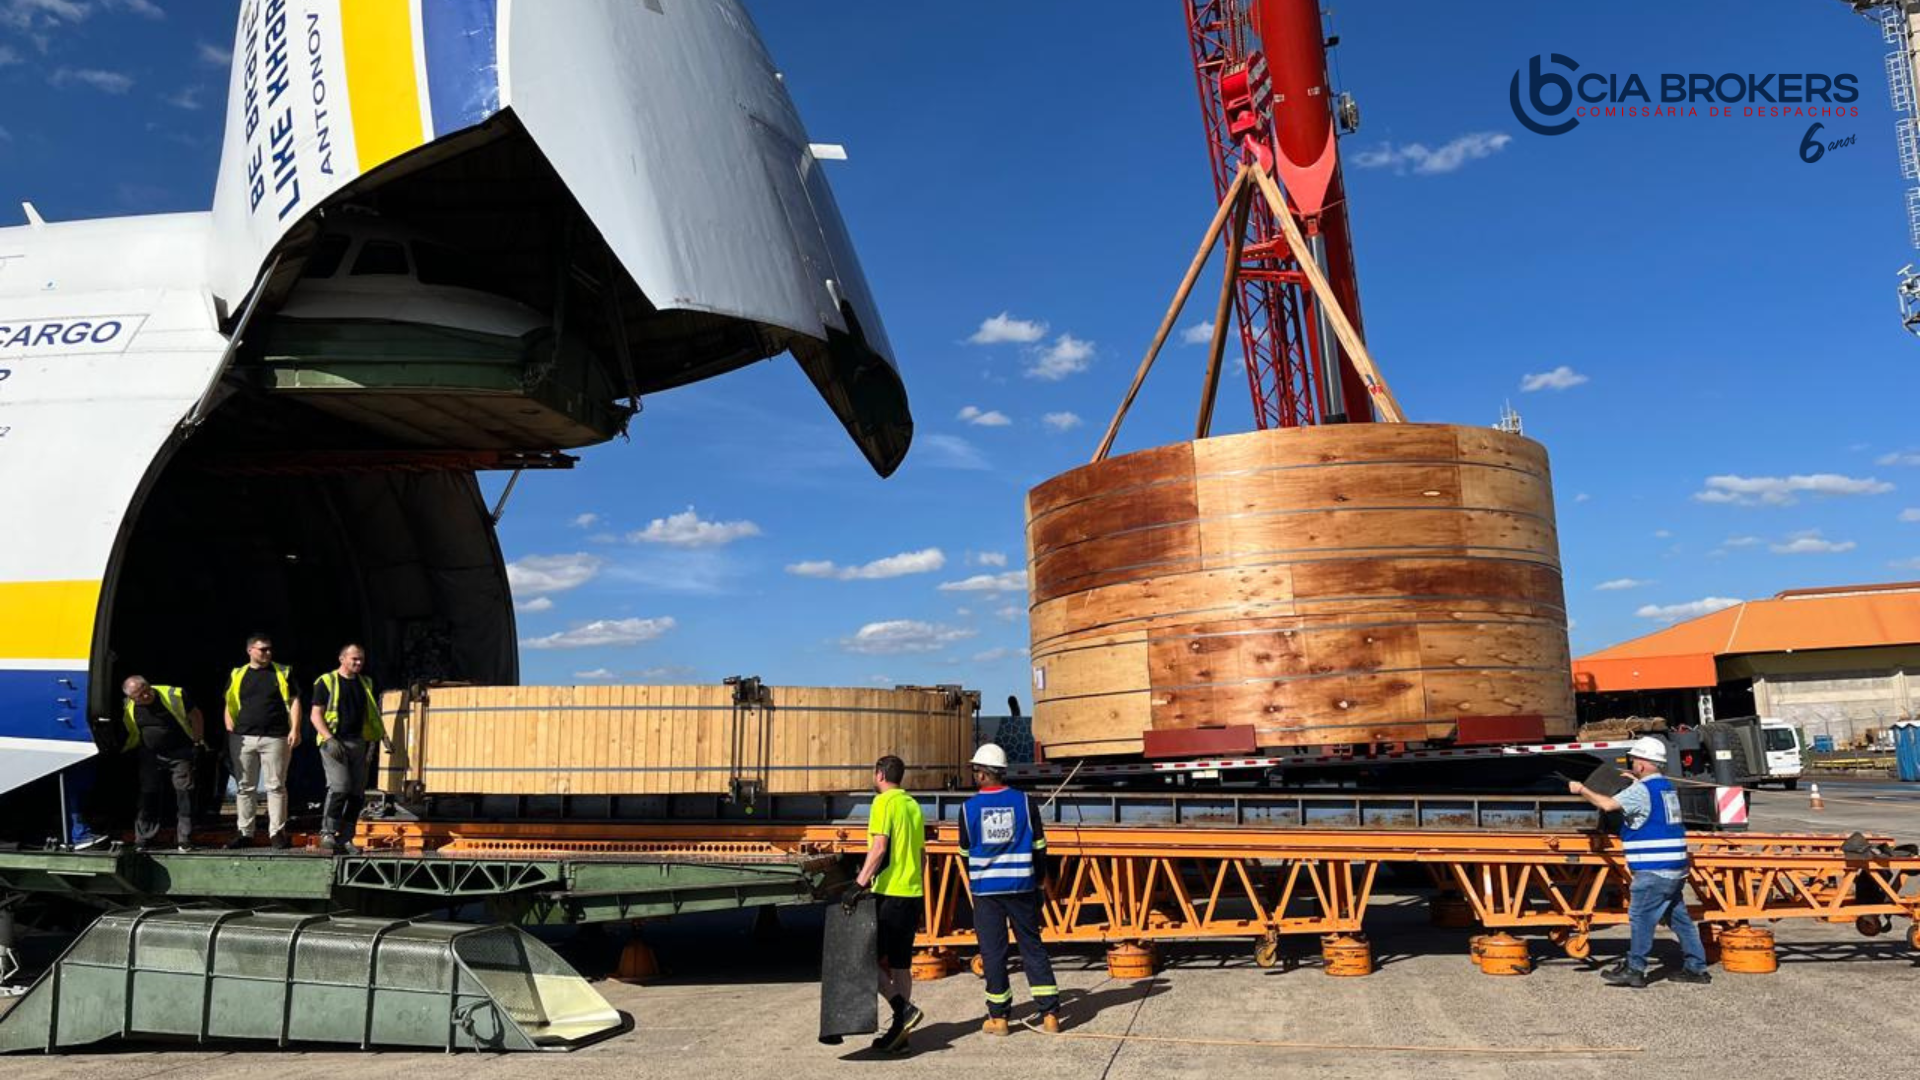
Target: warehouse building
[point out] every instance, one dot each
(1841, 662)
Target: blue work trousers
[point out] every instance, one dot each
(992, 915)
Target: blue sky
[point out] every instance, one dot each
(1720, 310)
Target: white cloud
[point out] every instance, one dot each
(1583, 497)
(1560, 378)
(1811, 542)
(1783, 490)
(213, 55)
(538, 603)
(950, 452)
(663, 673)
(537, 575)
(1004, 328)
(893, 566)
(1692, 609)
(29, 14)
(1008, 613)
(1062, 421)
(987, 558)
(688, 530)
(1423, 160)
(1904, 564)
(603, 538)
(904, 636)
(8, 55)
(603, 633)
(1068, 355)
(1617, 584)
(1740, 541)
(1910, 514)
(991, 655)
(598, 674)
(1011, 581)
(1907, 457)
(1662, 534)
(140, 7)
(107, 82)
(585, 521)
(973, 415)
(1197, 334)
(188, 99)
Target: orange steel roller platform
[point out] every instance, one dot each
(1130, 887)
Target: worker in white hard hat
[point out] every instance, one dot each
(1006, 849)
(1655, 842)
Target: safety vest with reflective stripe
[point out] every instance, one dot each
(280, 672)
(372, 730)
(1660, 842)
(175, 703)
(1002, 845)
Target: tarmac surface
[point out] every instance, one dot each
(739, 1005)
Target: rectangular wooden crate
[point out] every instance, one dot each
(650, 740)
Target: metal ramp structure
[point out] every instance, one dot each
(222, 974)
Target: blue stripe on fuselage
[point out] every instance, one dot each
(463, 77)
(43, 705)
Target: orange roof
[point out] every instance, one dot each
(1843, 617)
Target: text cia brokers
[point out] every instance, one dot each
(1773, 94)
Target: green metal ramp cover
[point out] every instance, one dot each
(217, 974)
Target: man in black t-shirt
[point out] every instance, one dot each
(346, 717)
(163, 728)
(261, 706)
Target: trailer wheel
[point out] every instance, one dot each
(1266, 952)
(1792, 785)
(1913, 936)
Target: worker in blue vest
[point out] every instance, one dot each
(1655, 842)
(164, 729)
(1006, 851)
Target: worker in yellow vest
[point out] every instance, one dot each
(263, 709)
(346, 717)
(164, 729)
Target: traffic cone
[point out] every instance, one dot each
(1814, 801)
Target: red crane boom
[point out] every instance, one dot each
(1261, 67)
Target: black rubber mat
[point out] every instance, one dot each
(849, 973)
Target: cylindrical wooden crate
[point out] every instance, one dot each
(651, 740)
(1336, 585)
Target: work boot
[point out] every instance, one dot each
(1697, 978)
(281, 841)
(326, 844)
(1622, 975)
(90, 842)
(240, 840)
(1050, 1023)
(995, 1025)
(903, 1024)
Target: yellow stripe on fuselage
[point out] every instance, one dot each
(381, 80)
(47, 620)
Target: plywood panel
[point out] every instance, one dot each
(1336, 568)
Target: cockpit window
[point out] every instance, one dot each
(380, 257)
(324, 261)
(437, 264)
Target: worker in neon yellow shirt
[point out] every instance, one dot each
(896, 847)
